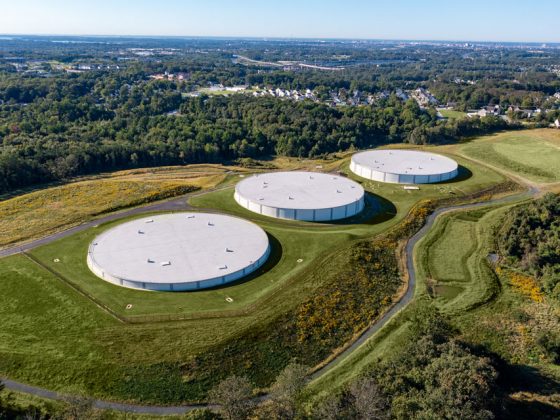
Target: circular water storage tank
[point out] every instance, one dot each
(178, 252)
(307, 196)
(403, 166)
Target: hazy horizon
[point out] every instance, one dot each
(268, 38)
(406, 20)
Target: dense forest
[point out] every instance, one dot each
(530, 239)
(55, 129)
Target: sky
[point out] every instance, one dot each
(473, 20)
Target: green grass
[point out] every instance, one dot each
(534, 154)
(45, 325)
(452, 260)
(40, 212)
(224, 92)
(289, 243)
(349, 368)
(474, 292)
(453, 115)
(54, 337)
(52, 408)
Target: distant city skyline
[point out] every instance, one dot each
(514, 21)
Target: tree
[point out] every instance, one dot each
(80, 409)
(234, 398)
(287, 389)
(368, 400)
(328, 409)
(459, 385)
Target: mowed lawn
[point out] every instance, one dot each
(453, 259)
(534, 154)
(452, 114)
(54, 337)
(446, 258)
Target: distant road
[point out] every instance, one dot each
(295, 63)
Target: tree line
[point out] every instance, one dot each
(51, 130)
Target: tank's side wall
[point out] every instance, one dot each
(374, 175)
(171, 287)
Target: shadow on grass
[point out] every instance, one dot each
(377, 210)
(274, 258)
(530, 382)
(537, 391)
(464, 174)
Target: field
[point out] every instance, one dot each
(71, 331)
(225, 92)
(42, 212)
(534, 154)
(492, 312)
(453, 115)
(454, 273)
(39, 213)
(454, 265)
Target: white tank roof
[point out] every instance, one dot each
(405, 162)
(179, 248)
(300, 190)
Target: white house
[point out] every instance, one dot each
(557, 123)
